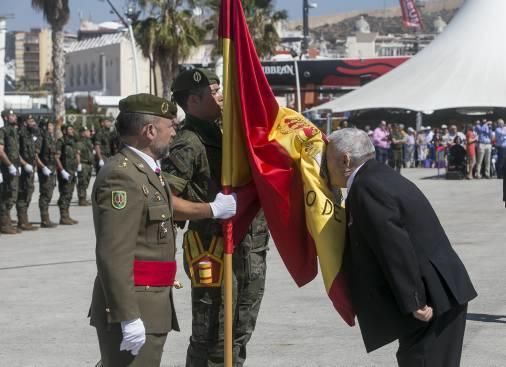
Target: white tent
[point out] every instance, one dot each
(464, 67)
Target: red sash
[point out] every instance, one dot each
(154, 273)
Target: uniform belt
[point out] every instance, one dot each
(154, 273)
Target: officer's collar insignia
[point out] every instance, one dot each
(119, 199)
(140, 165)
(145, 190)
(197, 77)
(165, 107)
(124, 164)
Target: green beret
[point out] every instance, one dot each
(148, 104)
(6, 113)
(194, 78)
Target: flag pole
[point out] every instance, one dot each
(228, 252)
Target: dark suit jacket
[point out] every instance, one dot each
(398, 257)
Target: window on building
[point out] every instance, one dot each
(78, 75)
(71, 75)
(93, 73)
(85, 74)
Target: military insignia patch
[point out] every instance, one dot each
(165, 107)
(119, 199)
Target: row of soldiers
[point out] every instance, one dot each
(27, 148)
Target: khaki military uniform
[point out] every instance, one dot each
(138, 228)
(194, 172)
(85, 149)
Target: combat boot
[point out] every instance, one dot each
(23, 222)
(84, 202)
(71, 219)
(45, 222)
(64, 217)
(6, 226)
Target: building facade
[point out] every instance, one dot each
(32, 55)
(105, 66)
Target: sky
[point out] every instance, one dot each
(24, 17)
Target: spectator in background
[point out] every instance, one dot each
(471, 140)
(446, 139)
(421, 145)
(500, 143)
(485, 134)
(397, 142)
(381, 141)
(409, 148)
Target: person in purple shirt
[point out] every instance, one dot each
(381, 141)
(500, 144)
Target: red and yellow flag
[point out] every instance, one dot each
(275, 154)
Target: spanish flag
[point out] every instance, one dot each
(275, 155)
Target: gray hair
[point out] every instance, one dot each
(354, 142)
(131, 123)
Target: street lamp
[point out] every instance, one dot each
(132, 16)
(306, 5)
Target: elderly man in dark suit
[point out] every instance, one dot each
(406, 281)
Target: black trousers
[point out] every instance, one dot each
(437, 345)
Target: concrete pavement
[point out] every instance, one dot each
(46, 279)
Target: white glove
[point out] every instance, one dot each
(134, 336)
(28, 168)
(1, 177)
(19, 171)
(79, 167)
(224, 206)
(101, 163)
(65, 175)
(46, 171)
(13, 170)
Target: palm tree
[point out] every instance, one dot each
(261, 18)
(175, 34)
(56, 13)
(145, 34)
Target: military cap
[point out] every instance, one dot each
(148, 104)
(6, 113)
(83, 128)
(194, 78)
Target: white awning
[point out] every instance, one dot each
(464, 67)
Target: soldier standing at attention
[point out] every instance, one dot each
(67, 161)
(103, 148)
(194, 168)
(46, 164)
(133, 211)
(9, 166)
(28, 150)
(85, 148)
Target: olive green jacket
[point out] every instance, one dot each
(142, 230)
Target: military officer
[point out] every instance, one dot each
(46, 164)
(28, 150)
(194, 168)
(85, 167)
(103, 142)
(67, 161)
(133, 212)
(10, 168)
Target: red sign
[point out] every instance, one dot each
(410, 15)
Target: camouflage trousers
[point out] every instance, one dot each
(66, 189)
(25, 190)
(83, 180)
(8, 190)
(46, 189)
(206, 347)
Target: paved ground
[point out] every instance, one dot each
(46, 279)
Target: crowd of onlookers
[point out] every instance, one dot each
(476, 150)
